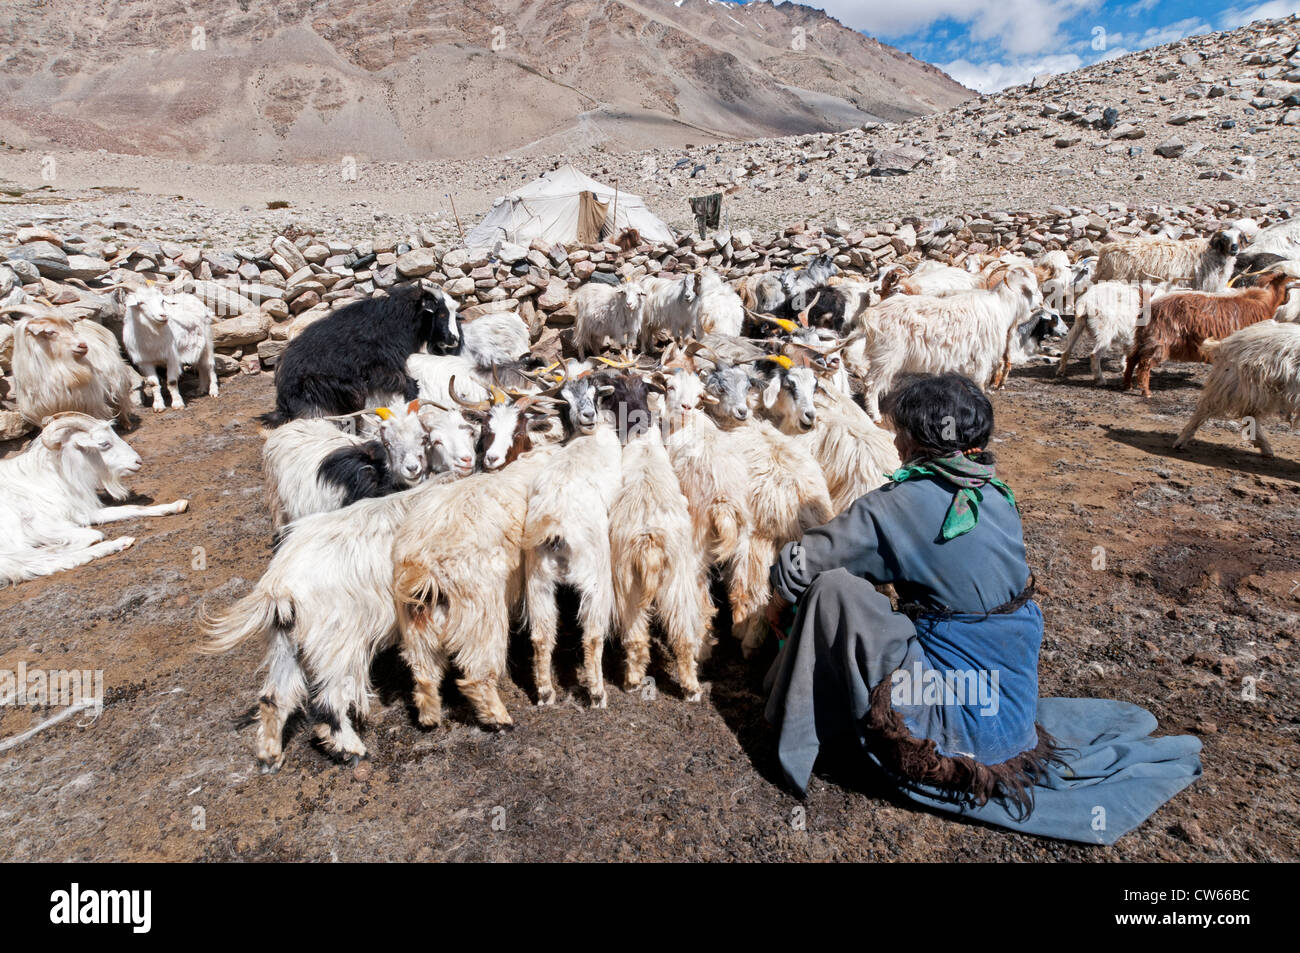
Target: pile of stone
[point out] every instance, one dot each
(261, 298)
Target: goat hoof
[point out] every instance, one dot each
(693, 696)
(159, 410)
(600, 701)
(182, 506)
(545, 697)
(266, 767)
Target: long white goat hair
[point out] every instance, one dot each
(458, 577)
(657, 565)
(670, 305)
(494, 339)
(324, 607)
(50, 377)
(721, 310)
(854, 454)
(966, 333)
(714, 480)
(1205, 263)
(1108, 312)
(566, 542)
(171, 331)
(788, 497)
(606, 311)
(49, 498)
(1256, 375)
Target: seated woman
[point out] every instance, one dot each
(943, 692)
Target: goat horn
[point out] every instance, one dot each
(617, 365)
(472, 405)
(26, 309)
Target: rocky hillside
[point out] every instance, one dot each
(378, 79)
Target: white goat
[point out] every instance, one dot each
(324, 608)
(75, 366)
(714, 481)
(313, 466)
(490, 339)
(967, 333)
(606, 311)
(854, 454)
(458, 577)
(721, 311)
(657, 564)
(670, 305)
(172, 331)
(1108, 312)
(433, 373)
(566, 542)
(48, 498)
(1256, 375)
(1204, 263)
(787, 497)
(1282, 239)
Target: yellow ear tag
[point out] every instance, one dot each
(785, 324)
(782, 360)
(383, 413)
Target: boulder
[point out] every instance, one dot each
(242, 330)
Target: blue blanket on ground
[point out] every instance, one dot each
(1116, 774)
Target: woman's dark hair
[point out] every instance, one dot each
(943, 414)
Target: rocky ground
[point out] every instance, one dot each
(1190, 610)
(1196, 600)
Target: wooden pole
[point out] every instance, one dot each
(614, 227)
(456, 215)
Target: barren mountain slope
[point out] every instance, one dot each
(213, 80)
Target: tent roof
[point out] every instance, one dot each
(547, 208)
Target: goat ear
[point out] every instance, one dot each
(772, 391)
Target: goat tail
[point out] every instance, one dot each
(414, 585)
(725, 522)
(646, 558)
(258, 613)
(275, 418)
(1209, 348)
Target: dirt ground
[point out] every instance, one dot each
(1198, 592)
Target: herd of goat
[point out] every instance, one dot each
(432, 481)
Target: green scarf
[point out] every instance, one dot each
(965, 474)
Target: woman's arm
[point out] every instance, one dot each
(850, 541)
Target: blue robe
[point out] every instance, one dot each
(847, 639)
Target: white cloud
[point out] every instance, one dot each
(1234, 17)
(1142, 6)
(991, 76)
(1021, 27)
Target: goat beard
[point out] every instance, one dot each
(112, 484)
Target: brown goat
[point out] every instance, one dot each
(1181, 323)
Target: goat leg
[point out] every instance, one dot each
(116, 514)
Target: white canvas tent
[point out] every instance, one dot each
(566, 206)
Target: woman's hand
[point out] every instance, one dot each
(776, 606)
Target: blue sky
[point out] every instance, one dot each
(992, 44)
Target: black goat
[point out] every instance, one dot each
(1251, 267)
(337, 365)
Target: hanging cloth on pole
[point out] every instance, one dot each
(707, 210)
(591, 218)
